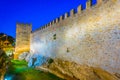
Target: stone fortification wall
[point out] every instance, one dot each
(23, 32)
(90, 36)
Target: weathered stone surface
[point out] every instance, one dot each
(73, 71)
(35, 60)
(89, 37)
(23, 56)
(23, 32)
(117, 75)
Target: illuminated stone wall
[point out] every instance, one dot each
(91, 36)
(23, 32)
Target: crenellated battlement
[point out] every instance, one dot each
(99, 2)
(23, 24)
(72, 12)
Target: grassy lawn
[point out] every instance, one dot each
(18, 70)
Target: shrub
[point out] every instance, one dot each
(50, 61)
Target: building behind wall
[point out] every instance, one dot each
(23, 32)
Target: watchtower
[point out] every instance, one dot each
(23, 32)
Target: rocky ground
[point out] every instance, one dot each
(73, 71)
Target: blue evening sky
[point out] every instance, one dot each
(37, 12)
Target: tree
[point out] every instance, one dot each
(3, 62)
(3, 37)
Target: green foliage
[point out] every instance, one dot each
(17, 62)
(3, 58)
(9, 38)
(50, 61)
(21, 72)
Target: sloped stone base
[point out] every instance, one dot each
(73, 71)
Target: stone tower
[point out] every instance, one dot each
(23, 32)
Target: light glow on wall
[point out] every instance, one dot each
(72, 32)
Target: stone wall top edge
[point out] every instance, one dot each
(63, 17)
(72, 14)
(27, 24)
